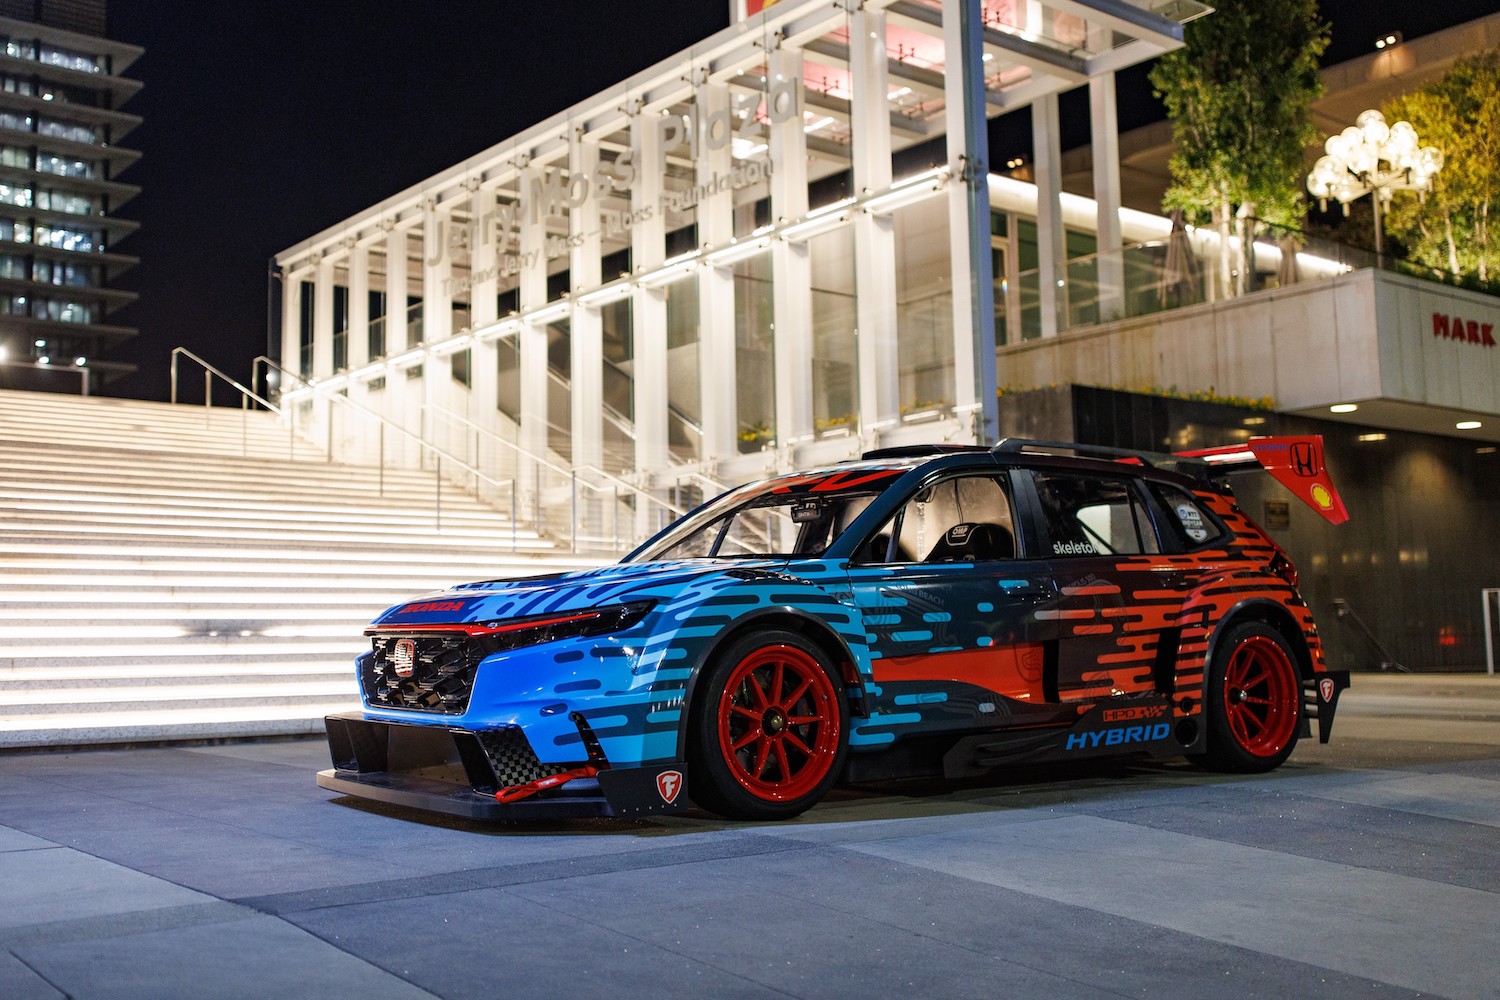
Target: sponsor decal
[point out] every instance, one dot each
(404, 657)
(1192, 521)
(423, 606)
(1132, 714)
(1073, 549)
(1468, 330)
(1325, 688)
(668, 784)
(1117, 736)
(1322, 497)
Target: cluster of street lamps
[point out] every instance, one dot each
(1371, 157)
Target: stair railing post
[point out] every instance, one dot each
(573, 513)
(437, 464)
(208, 396)
(244, 426)
(174, 376)
(382, 459)
(513, 542)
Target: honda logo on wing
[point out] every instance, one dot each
(1305, 459)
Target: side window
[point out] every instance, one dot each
(1088, 516)
(962, 519)
(1187, 519)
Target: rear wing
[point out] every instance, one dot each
(1295, 461)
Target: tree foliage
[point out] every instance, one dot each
(1451, 229)
(1238, 94)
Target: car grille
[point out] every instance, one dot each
(441, 676)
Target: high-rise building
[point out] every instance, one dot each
(61, 89)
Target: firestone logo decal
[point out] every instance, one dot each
(669, 783)
(1325, 688)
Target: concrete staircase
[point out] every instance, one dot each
(174, 572)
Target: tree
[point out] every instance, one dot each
(1238, 95)
(1450, 230)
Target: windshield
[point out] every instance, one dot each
(795, 516)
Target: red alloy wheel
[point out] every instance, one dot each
(778, 723)
(1260, 696)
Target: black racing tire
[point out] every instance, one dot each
(769, 730)
(1254, 701)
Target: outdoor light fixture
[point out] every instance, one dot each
(451, 346)
(549, 314)
(907, 191)
(44, 360)
(820, 220)
(1343, 408)
(1387, 41)
(609, 293)
(505, 328)
(736, 252)
(670, 270)
(1371, 157)
(80, 361)
(1468, 425)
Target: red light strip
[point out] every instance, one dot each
(474, 629)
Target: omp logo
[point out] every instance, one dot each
(1131, 714)
(412, 609)
(669, 783)
(1117, 736)
(1304, 459)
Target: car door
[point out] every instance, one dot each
(1119, 595)
(950, 593)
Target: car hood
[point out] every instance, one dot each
(535, 595)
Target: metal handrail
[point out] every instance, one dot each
(571, 471)
(438, 454)
(209, 373)
(246, 395)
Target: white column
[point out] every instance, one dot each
(969, 219)
(392, 448)
(877, 353)
(484, 257)
(791, 265)
(1051, 242)
(291, 323)
(437, 270)
(1105, 133)
(323, 319)
(397, 275)
(359, 307)
(717, 358)
(533, 336)
(648, 248)
(586, 345)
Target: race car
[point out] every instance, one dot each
(923, 612)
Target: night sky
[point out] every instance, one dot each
(267, 122)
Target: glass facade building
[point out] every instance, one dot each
(61, 87)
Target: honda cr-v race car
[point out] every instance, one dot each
(933, 611)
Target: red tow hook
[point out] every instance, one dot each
(517, 792)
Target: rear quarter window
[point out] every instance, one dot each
(1187, 518)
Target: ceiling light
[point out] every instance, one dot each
(1343, 408)
(1468, 425)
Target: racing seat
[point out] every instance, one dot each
(971, 542)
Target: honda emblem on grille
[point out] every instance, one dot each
(404, 657)
(669, 783)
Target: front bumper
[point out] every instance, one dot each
(454, 771)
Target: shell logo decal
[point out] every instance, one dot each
(1322, 497)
